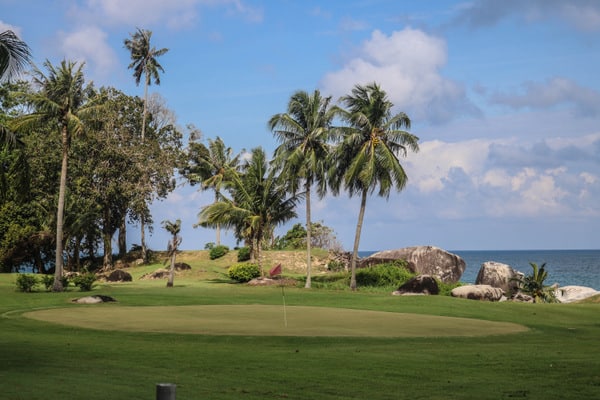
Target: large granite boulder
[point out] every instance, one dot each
(422, 284)
(119, 275)
(570, 294)
(422, 260)
(478, 292)
(499, 275)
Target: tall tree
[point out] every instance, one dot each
(259, 202)
(173, 228)
(304, 134)
(60, 102)
(367, 155)
(14, 57)
(211, 167)
(144, 63)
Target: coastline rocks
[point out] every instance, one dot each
(422, 260)
(570, 294)
(499, 275)
(422, 284)
(478, 292)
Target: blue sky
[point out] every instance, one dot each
(504, 96)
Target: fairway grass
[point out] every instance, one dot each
(271, 320)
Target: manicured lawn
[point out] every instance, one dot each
(557, 357)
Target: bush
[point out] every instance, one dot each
(85, 281)
(218, 251)
(336, 266)
(387, 274)
(26, 282)
(243, 272)
(48, 281)
(243, 254)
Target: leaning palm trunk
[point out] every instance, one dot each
(172, 269)
(58, 272)
(361, 215)
(308, 237)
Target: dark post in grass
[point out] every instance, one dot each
(165, 391)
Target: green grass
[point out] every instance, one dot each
(558, 357)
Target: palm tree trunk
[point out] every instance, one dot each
(123, 236)
(60, 213)
(172, 270)
(308, 237)
(361, 215)
(142, 224)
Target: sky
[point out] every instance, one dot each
(503, 95)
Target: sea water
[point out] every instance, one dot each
(565, 267)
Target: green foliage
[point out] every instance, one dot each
(244, 272)
(335, 266)
(295, 238)
(47, 280)
(446, 288)
(243, 254)
(387, 274)
(26, 282)
(534, 286)
(209, 246)
(85, 281)
(218, 251)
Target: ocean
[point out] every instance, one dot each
(565, 267)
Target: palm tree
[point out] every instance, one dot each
(367, 156)
(14, 55)
(304, 133)
(534, 286)
(212, 167)
(61, 101)
(144, 62)
(173, 228)
(259, 203)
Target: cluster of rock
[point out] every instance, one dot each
(495, 281)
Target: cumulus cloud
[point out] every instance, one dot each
(552, 93)
(89, 44)
(8, 27)
(468, 180)
(584, 15)
(407, 65)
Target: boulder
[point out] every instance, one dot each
(160, 273)
(181, 266)
(478, 292)
(570, 294)
(499, 275)
(96, 299)
(422, 260)
(422, 284)
(119, 275)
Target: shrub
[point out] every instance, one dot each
(387, 274)
(243, 254)
(85, 281)
(48, 281)
(218, 251)
(243, 272)
(336, 266)
(26, 282)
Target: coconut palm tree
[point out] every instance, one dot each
(144, 63)
(259, 202)
(367, 156)
(304, 133)
(534, 285)
(14, 55)
(173, 228)
(212, 167)
(61, 101)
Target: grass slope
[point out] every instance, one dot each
(556, 358)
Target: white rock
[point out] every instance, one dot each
(570, 294)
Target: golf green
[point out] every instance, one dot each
(270, 320)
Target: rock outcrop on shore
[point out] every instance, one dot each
(422, 260)
(499, 275)
(478, 292)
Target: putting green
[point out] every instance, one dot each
(270, 320)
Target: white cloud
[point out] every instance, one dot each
(407, 65)
(8, 27)
(90, 45)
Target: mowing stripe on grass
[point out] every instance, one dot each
(266, 320)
